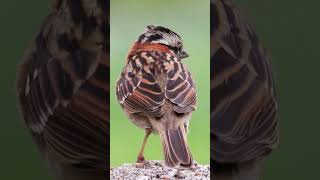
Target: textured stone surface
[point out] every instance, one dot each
(157, 170)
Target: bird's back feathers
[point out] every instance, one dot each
(139, 89)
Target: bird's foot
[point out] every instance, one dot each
(140, 159)
(141, 162)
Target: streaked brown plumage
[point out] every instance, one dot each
(157, 92)
(63, 88)
(244, 125)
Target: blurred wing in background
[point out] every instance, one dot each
(63, 88)
(244, 125)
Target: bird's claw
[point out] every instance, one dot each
(141, 162)
(140, 159)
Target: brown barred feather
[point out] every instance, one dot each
(139, 91)
(63, 87)
(244, 125)
(180, 88)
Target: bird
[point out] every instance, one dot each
(157, 93)
(63, 89)
(244, 110)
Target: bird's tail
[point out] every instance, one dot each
(175, 146)
(250, 170)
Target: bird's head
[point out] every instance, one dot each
(160, 35)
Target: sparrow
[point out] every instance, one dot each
(244, 118)
(63, 89)
(157, 93)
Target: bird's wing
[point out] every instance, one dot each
(138, 90)
(180, 88)
(243, 103)
(63, 86)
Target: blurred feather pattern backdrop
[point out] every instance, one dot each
(63, 84)
(244, 118)
(290, 35)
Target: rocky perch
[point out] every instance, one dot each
(157, 170)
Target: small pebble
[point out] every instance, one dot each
(165, 177)
(143, 178)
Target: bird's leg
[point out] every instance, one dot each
(140, 158)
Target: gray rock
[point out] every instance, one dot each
(157, 170)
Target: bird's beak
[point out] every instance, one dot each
(183, 54)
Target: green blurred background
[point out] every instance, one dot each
(188, 18)
(288, 29)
